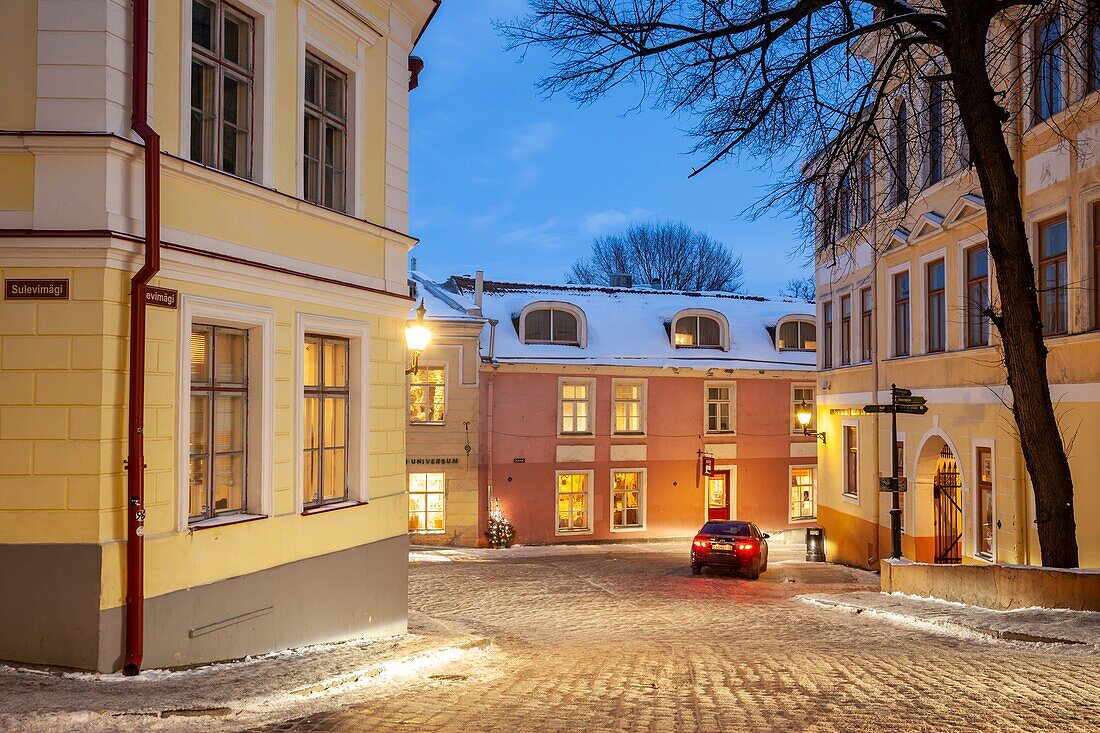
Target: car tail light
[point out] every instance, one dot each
(699, 542)
(746, 546)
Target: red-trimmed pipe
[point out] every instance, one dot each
(135, 465)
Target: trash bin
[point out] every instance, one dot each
(815, 544)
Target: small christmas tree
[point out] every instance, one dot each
(500, 533)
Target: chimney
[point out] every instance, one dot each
(622, 280)
(479, 289)
(655, 283)
(412, 264)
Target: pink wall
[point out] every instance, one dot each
(525, 413)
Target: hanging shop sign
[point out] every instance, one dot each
(36, 289)
(708, 465)
(162, 297)
(447, 461)
(519, 460)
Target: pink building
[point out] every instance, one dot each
(630, 413)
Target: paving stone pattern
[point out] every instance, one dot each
(626, 639)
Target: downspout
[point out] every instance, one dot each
(876, 459)
(135, 462)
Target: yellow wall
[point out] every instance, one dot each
(19, 72)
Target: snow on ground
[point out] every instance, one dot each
(1044, 626)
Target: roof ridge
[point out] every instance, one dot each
(466, 282)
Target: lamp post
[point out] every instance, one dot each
(417, 336)
(804, 414)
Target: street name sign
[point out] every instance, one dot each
(911, 409)
(36, 289)
(878, 408)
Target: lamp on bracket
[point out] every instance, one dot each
(804, 413)
(417, 336)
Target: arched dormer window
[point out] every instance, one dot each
(553, 323)
(700, 329)
(796, 333)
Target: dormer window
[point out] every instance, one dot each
(700, 330)
(552, 323)
(796, 335)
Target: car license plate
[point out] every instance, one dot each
(721, 546)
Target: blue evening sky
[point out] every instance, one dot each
(509, 182)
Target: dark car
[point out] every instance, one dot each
(740, 546)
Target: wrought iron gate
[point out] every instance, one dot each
(947, 496)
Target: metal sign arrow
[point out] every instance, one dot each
(901, 392)
(911, 409)
(918, 400)
(878, 408)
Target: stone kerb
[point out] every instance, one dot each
(1000, 587)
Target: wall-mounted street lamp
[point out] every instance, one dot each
(417, 336)
(804, 413)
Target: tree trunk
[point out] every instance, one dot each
(1019, 322)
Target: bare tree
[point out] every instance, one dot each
(669, 254)
(799, 287)
(839, 84)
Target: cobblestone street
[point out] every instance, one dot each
(624, 638)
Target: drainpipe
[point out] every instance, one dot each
(876, 459)
(489, 442)
(135, 462)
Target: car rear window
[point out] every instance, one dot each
(730, 529)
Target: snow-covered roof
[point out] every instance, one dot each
(440, 303)
(632, 326)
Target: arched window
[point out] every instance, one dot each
(701, 330)
(552, 323)
(796, 334)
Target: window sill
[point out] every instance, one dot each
(427, 531)
(324, 508)
(617, 530)
(569, 532)
(983, 557)
(801, 520)
(224, 521)
(425, 424)
(720, 432)
(850, 498)
(628, 435)
(576, 435)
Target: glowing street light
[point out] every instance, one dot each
(417, 336)
(804, 413)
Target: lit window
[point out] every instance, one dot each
(800, 394)
(219, 416)
(803, 493)
(1048, 98)
(1053, 293)
(985, 503)
(797, 335)
(324, 159)
(427, 395)
(628, 407)
(977, 296)
(573, 503)
(221, 87)
(575, 407)
(551, 326)
(325, 420)
(851, 461)
(720, 408)
(698, 331)
(427, 499)
(626, 499)
(937, 307)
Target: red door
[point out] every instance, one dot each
(718, 496)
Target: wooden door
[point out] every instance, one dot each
(718, 496)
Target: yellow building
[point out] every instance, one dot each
(444, 415)
(274, 431)
(903, 306)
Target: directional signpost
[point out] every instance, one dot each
(902, 402)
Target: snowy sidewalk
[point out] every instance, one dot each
(1035, 625)
(232, 695)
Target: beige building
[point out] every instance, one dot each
(444, 413)
(903, 305)
(263, 398)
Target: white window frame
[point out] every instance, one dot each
(733, 407)
(844, 494)
(723, 328)
(890, 273)
(558, 531)
(991, 445)
(582, 322)
(591, 384)
(643, 406)
(260, 432)
(790, 484)
(799, 318)
(263, 87)
(813, 406)
(923, 262)
(355, 67)
(358, 334)
(446, 393)
(408, 491)
(643, 490)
